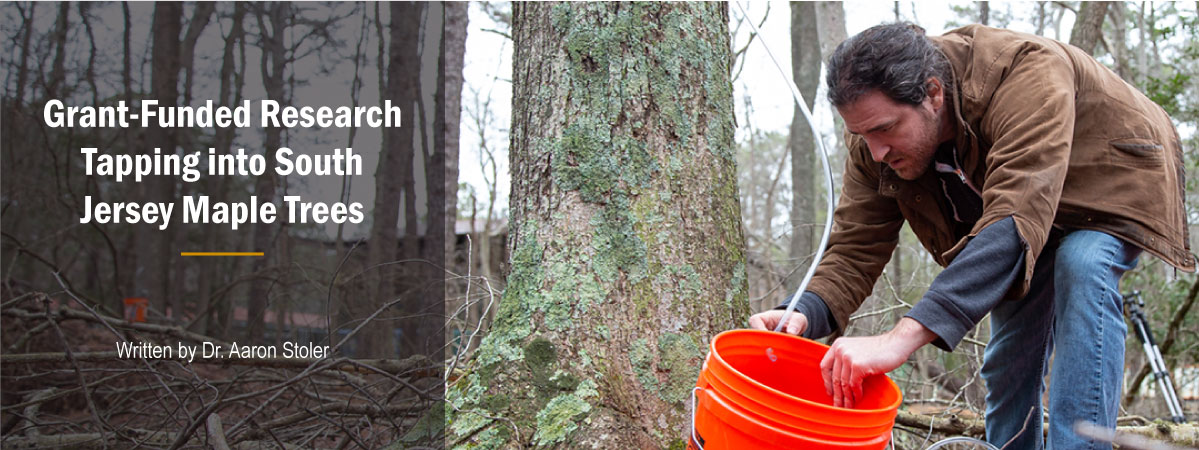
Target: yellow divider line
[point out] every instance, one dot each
(220, 254)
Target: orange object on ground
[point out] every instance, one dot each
(135, 308)
(761, 389)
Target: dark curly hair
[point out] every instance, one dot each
(894, 58)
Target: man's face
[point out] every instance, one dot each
(901, 135)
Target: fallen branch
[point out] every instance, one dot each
(86, 441)
(216, 434)
(419, 366)
(339, 408)
(74, 314)
(1185, 434)
(943, 423)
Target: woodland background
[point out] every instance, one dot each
(371, 292)
(1152, 45)
(525, 362)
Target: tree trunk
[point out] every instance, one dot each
(201, 15)
(392, 176)
(805, 70)
(215, 237)
(272, 66)
(453, 58)
(23, 68)
(1057, 21)
(830, 26)
(1119, 43)
(984, 13)
(627, 248)
(454, 54)
(154, 246)
(1142, 54)
(1088, 26)
(187, 54)
(58, 72)
(1041, 18)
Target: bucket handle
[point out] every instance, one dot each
(694, 411)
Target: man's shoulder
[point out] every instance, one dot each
(982, 56)
(983, 46)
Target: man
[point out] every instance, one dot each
(1036, 176)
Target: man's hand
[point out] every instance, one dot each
(852, 359)
(768, 320)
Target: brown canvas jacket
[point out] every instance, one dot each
(1053, 137)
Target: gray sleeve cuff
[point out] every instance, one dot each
(973, 284)
(943, 318)
(820, 319)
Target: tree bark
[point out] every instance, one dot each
(627, 247)
(1142, 54)
(273, 20)
(393, 176)
(1041, 19)
(805, 70)
(215, 237)
(830, 21)
(58, 72)
(201, 15)
(154, 246)
(453, 59)
(23, 67)
(1088, 26)
(454, 55)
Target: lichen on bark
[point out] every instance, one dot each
(626, 242)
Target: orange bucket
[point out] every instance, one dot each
(761, 389)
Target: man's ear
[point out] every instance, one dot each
(936, 93)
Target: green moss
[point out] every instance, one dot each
(465, 422)
(514, 319)
(572, 294)
(644, 296)
(641, 357)
(582, 160)
(584, 358)
(429, 429)
(561, 416)
(497, 402)
(679, 360)
(683, 281)
(564, 381)
(735, 294)
(541, 359)
(618, 247)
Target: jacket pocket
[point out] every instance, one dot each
(1137, 151)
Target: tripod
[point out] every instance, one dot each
(1133, 304)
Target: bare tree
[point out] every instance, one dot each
(1118, 45)
(454, 57)
(805, 70)
(215, 237)
(154, 247)
(273, 20)
(1088, 26)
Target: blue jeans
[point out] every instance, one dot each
(1073, 304)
